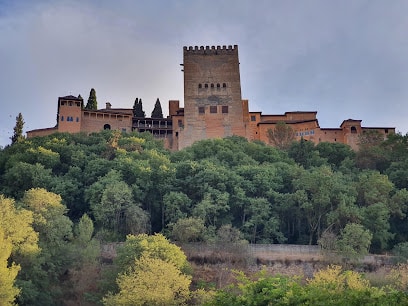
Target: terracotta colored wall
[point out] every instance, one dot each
(95, 121)
(69, 110)
(206, 70)
(41, 132)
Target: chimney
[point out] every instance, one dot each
(108, 105)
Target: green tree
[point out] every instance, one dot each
(86, 249)
(305, 154)
(371, 154)
(335, 153)
(188, 230)
(354, 241)
(176, 206)
(118, 212)
(374, 198)
(39, 280)
(319, 192)
(157, 111)
(281, 136)
(138, 109)
(18, 129)
(92, 103)
(23, 176)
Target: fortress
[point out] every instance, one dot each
(213, 108)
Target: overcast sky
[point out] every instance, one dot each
(341, 58)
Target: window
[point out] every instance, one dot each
(206, 85)
(200, 86)
(180, 123)
(386, 131)
(201, 110)
(62, 118)
(212, 85)
(224, 85)
(107, 127)
(213, 109)
(224, 109)
(77, 119)
(253, 118)
(218, 85)
(353, 130)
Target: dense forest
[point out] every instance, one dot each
(65, 194)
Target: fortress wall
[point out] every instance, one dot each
(211, 82)
(95, 121)
(41, 132)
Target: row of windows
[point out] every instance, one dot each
(213, 109)
(224, 85)
(70, 119)
(306, 133)
(70, 103)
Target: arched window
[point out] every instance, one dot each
(107, 127)
(353, 130)
(206, 86)
(224, 85)
(62, 118)
(212, 85)
(218, 85)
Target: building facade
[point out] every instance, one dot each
(213, 108)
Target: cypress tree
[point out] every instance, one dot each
(92, 103)
(157, 111)
(138, 109)
(18, 129)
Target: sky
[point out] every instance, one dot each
(342, 58)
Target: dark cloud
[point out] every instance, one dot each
(345, 59)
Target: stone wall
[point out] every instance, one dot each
(213, 107)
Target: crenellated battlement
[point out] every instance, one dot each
(210, 49)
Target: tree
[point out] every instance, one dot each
(138, 109)
(18, 129)
(92, 103)
(188, 230)
(8, 273)
(18, 246)
(281, 136)
(40, 279)
(151, 281)
(354, 241)
(153, 246)
(116, 210)
(157, 111)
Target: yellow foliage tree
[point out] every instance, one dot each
(334, 279)
(8, 273)
(151, 281)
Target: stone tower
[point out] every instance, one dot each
(213, 106)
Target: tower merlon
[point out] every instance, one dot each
(201, 50)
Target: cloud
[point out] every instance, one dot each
(345, 59)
